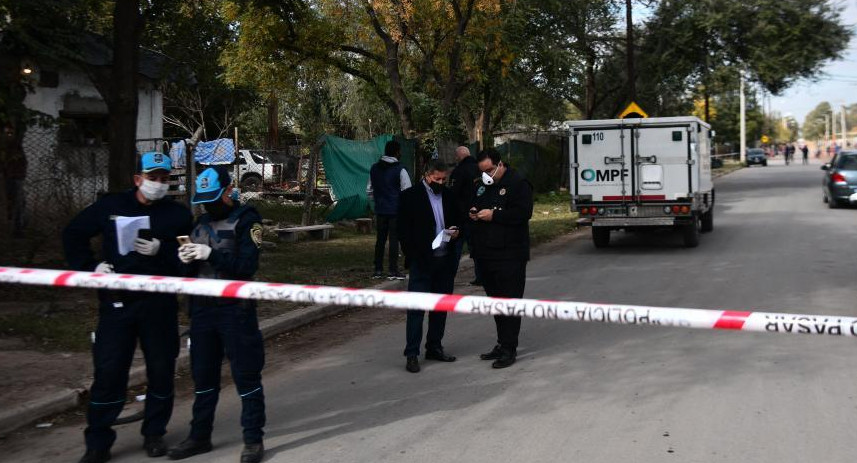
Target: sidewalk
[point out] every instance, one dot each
(41, 399)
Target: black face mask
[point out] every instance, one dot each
(437, 188)
(217, 210)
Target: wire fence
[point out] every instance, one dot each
(62, 178)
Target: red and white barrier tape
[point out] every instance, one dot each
(551, 310)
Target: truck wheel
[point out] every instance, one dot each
(707, 221)
(690, 233)
(251, 183)
(600, 237)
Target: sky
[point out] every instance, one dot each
(837, 86)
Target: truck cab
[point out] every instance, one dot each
(637, 173)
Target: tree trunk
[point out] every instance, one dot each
(122, 98)
(273, 139)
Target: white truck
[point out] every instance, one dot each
(629, 174)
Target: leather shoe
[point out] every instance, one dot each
(155, 446)
(413, 364)
(252, 453)
(506, 359)
(439, 355)
(495, 353)
(95, 456)
(188, 448)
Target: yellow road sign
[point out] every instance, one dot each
(765, 139)
(633, 110)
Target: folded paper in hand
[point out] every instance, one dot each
(443, 237)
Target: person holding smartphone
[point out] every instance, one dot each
(124, 317)
(428, 225)
(225, 244)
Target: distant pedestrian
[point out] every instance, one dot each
(502, 208)
(126, 317)
(805, 150)
(387, 179)
(462, 182)
(428, 210)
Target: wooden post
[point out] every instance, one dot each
(310, 181)
(190, 165)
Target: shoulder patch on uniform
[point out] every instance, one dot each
(480, 190)
(256, 234)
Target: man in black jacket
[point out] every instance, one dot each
(502, 208)
(461, 182)
(124, 316)
(428, 225)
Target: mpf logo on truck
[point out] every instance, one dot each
(603, 175)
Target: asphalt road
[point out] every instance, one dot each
(590, 392)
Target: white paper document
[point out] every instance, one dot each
(126, 231)
(442, 237)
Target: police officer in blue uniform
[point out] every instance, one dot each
(225, 245)
(124, 317)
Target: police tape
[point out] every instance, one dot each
(540, 309)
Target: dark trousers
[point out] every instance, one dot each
(386, 227)
(465, 237)
(232, 330)
(15, 204)
(153, 321)
(433, 275)
(505, 278)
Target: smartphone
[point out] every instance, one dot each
(144, 234)
(184, 239)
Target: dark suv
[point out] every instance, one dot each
(840, 179)
(756, 156)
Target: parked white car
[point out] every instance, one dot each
(256, 167)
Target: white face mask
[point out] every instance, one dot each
(153, 191)
(489, 179)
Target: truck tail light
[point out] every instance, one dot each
(593, 210)
(676, 209)
(584, 210)
(601, 211)
(667, 209)
(838, 178)
(685, 209)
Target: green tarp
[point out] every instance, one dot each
(346, 167)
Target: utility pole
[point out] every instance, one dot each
(842, 124)
(629, 52)
(826, 133)
(743, 149)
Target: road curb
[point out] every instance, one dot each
(33, 410)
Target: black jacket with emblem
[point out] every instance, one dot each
(234, 242)
(507, 235)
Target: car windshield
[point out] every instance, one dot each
(848, 162)
(756, 152)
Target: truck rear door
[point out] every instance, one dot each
(662, 168)
(601, 163)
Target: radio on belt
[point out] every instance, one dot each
(640, 173)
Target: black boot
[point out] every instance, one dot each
(506, 359)
(95, 456)
(155, 446)
(493, 355)
(188, 448)
(252, 453)
(413, 364)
